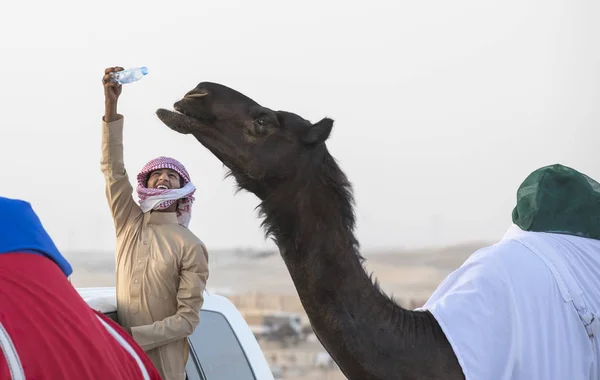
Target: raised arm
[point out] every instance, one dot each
(119, 191)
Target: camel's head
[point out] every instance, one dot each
(260, 146)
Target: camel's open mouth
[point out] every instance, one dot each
(183, 121)
(176, 120)
(180, 110)
(194, 119)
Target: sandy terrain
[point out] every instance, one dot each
(259, 280)
(401, 273)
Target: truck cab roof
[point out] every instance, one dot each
(104, 299)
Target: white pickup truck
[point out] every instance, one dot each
(221, 348)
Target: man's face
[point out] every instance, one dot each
(164, 179)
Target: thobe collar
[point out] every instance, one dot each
(157, 217)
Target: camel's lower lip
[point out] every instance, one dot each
(165, 114)
(186, 124)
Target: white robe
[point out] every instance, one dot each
(518, 309)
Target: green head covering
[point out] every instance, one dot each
(559, 199)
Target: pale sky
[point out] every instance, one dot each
(441, 108)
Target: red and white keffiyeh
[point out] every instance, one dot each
(160, 199)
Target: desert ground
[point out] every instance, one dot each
(259, 280)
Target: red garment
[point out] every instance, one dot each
(55, 334)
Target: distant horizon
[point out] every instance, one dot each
(375, 250)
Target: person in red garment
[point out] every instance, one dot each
(47, 331)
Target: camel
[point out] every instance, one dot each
(307, 205)
(484, 328)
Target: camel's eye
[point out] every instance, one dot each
(262, 122)
(261, 127)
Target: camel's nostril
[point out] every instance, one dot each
(196, 94)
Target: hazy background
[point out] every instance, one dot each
(441, 108)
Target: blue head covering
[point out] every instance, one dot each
(21, 231)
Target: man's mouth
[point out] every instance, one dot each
(163, 187)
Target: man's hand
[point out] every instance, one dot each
(112, 90)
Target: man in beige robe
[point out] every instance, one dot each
(162, 267)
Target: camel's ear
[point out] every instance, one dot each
(318, 132)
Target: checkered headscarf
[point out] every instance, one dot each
(160, 199)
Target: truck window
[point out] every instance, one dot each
(218, 350)
(192, 372)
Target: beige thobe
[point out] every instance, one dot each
(162, 267)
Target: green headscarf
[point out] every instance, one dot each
(559, 199)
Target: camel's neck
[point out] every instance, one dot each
(364, 331)
(312, 222)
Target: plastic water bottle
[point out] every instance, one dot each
(129, 75)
